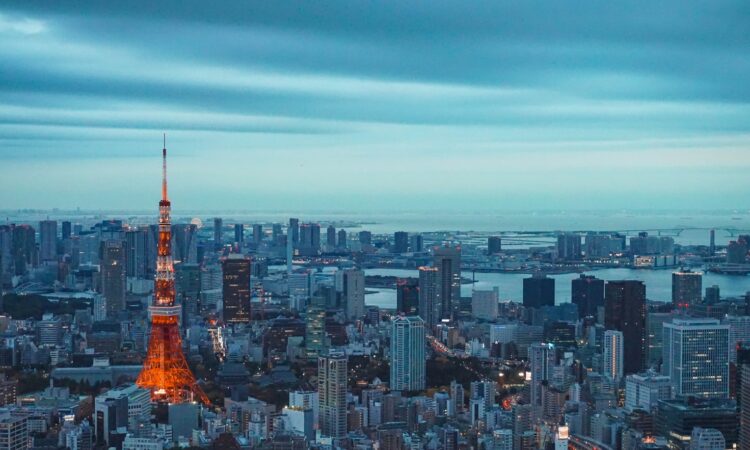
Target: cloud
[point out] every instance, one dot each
(21, 25)
(343, 96)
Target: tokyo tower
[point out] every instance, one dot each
(165, 370)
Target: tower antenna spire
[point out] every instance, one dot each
(164, 170)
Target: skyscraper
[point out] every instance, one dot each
(400, 242)
(316, 340)
(257, 233)
(293, 231)
(112, 271)
(185, 243)
(538, 291)
(407, 354)
(569, 246)
(587, 292)
(745, 407)
(136, 253)
(687, 288)
(236, 272)
(542, 360)
(48, 240)
(613, 355)
(66, 230)
(332, 384)
(484, 304)
(429, 296)
(23, 248)
(309, 239)
(625, 310)
(188, 287)
(448, 262)
(416, 242)
(350, 283)
(239, 234)
(494, 245)
(365, 238)
(341, 241)
(218, 232)
(331, 237)
(713, 294)
(407, 296)
(696, 357)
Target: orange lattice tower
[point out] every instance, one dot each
(165, 371)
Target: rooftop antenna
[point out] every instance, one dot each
(164, 170)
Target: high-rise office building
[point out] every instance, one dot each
(218, 232)
(713, 295)
(236, 272)
(538, 291)
(494, 245)
(587, 292)
(430, 308)
(625, 310)
(400, 242)
(316, 339)
(331, 236)
(712, 242)
(696, 357)
(350, 283)
(687, 288)
(407, 296)
(293, 231)
(542, 360)
(612, 364)
(484, 304)
(416, 243)
(276, 233)
(707, 439)
(332, 384)
(676, 419)
(737, 252)
(188, 287)
(309, 239)
(14, 431)
(569, 246)
(185, 243)
(365, 238)
(745, 407)
(67, 228)
(239, 234)
(23, 249)
(655, 335)
(739, 333)
(136, 253)
(407, 354)
(48, 240)
(643, 391)
(341, 240)
(448, 262)
(257, 233)
(49, 330)
(112, 272)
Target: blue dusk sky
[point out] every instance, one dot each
(376, 105)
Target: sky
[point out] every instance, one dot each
(376, 105)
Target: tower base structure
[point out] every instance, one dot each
(165, 371)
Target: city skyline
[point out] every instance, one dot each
(383, 106)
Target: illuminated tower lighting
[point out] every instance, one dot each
(165, 370)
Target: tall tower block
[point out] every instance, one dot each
(165, 370)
